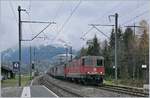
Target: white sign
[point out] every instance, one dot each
(144, 66)
(113, 67)
(15, 66)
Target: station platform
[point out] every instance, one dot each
(28, 91)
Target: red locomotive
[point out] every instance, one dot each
(87, 69)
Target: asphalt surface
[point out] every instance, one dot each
(41, 91)
(35, 91)
(11, 91)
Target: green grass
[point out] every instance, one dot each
(14, 82)
(108, 82)
(129, 82)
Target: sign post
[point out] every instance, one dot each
(16, 68)
(144, 67)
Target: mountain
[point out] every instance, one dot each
(43, 56)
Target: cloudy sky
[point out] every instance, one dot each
(71, 17)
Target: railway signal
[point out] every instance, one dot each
(33, 67)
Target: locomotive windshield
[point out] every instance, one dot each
(89, 61)
(92, 61)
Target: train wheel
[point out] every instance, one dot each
(82, 82)
(76, 80)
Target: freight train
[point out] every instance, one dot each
(86, 70)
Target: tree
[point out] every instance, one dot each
(107, 61)
(112, 47)
(144, 42)
(119, 50)
(94, 47)
(128, 50)
(143, 48)
(83, 51)
(112, 39)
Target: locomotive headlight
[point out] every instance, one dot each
(101, 72)
(94, 69)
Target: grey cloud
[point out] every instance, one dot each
(88, 12)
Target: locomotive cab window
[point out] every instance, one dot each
(99, 62)
(89, 61)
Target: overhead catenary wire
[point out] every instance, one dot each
(125, 15)
(137, 16)
(87, 32)
(67, 20)
(100, 31)
(130, 10)
(111, 9)
(0, 12)
(29, 16)
(117, 5)
(41, 31)
(56, 14)
(29, 5)
(58, 9)
(49, 23)
(134, 10)
(13, 12)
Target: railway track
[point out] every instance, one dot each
(64, 91)
(60, 91)
(125, 90)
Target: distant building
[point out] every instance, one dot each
(61, 58)
(7, 72)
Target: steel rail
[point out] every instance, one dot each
(125, 90)
(47, 84)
